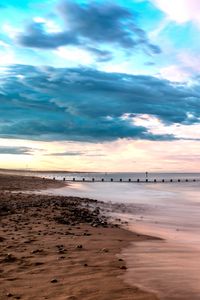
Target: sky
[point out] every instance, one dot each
(100, 85)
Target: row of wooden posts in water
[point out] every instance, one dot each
(129, 180)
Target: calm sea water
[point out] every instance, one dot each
(169, 267)
(125, 176)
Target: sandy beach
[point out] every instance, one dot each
(56, 247)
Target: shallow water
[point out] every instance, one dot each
(170, 267)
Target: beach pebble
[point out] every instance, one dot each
(38, 263)
(104, 250)
(9, 294)
(10, 258)
(62, 251)
(86, 234)
(2, 239)
(61, 257)
(36, 251)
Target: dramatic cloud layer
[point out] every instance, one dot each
(113, 79)
(89, 105)
(92, 27)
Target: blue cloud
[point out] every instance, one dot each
(88, 105)
(15, 150)
(36, 37)
(66, 153)
(92, 26)
(74, 153)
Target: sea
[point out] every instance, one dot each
(123, 176)
(170, 210)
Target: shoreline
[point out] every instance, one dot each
(55, 247)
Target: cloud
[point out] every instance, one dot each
(175, 73)
(180, 11)
(93, 27)
(6, 53)
(183, 157)
(180, 131)
(66, 153)
(186, 67)
(78, 104)
(74, 153)
(15, 150)
(36, 37)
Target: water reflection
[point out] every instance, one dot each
(172, 270)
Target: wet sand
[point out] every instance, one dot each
(172, 269)
(27, 183)
(54, 247)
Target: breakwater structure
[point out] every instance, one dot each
(92, 180)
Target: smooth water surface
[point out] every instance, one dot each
(116, 176)
(169, 267)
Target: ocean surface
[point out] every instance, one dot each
(171, 211)
(125, 176)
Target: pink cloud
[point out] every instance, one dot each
(180, 11)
